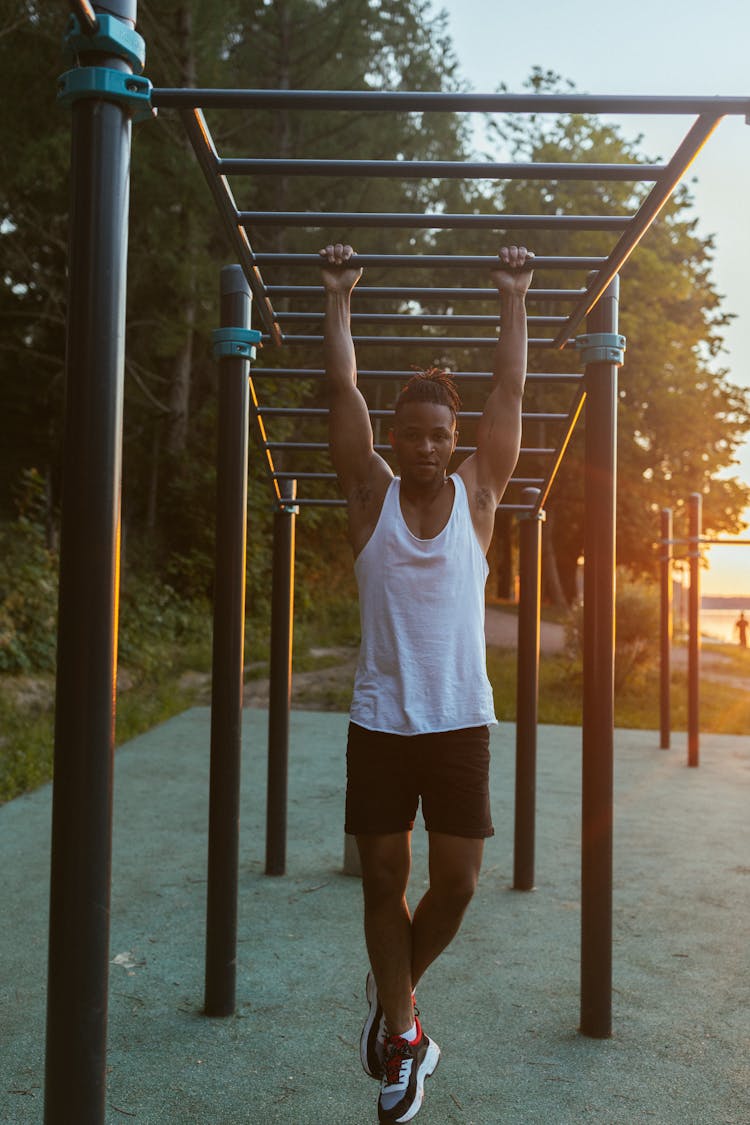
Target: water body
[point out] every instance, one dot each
(718, 624)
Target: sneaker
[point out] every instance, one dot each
(405, 1068)
(372, 1040)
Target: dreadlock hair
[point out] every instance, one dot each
(434, 384)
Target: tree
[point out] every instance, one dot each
(681, 418)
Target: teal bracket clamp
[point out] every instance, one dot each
(129, 90)
(113, 37)
(236, 342)
(601, 347)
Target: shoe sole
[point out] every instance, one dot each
(427, 1068)
(371, 992)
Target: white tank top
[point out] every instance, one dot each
(422, 661)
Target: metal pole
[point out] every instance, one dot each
(77, 991)
(280, 698)
(598, 680)
(695, 504)
(527, 691)
(665, 631)
(228, 656)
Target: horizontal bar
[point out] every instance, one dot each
(358, 219)
(422, 319)
(432, 261)
(437, 169)
(323, 412)
(205, 153)
(377, 292)
(419, 341)
(521, 482)
(327, 502)
(420, 102)
(458, 376)
(322, 447)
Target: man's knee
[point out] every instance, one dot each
(454, 890)
(385, 865)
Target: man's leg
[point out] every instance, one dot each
(386, 862)
(454, 869)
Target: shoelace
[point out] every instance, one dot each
(397, 1066)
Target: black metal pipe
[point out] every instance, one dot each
(527, 690)
(554, 377)
(323, 412)
(418, 341)
(200, 138)
(322, 446)
(408, 293)
(598, 680)
(351, 219)
(665, 629)
(438, 169)
(433, 261)
(280, 697)
(326, 502)
(671, 175)
(228, 655)
(695, 517)
(79, 920)
(466, 319)
(420, 102)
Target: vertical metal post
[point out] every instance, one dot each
(665, 629)
(228, 655)
(598, 679)
(527, 691)
(280, 697)
(695, 505)
(77, 991)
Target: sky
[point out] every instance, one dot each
(645, 47)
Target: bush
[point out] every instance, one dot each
(28, 586)
(636, 629)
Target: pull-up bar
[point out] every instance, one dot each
(350, 219)
(421, 101)
(438, 169)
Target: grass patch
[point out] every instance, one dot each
(723, 709)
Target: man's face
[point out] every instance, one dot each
(423, 438)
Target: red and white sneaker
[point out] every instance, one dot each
(405, 1067)
(372, 1039)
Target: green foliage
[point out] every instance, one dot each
(636, 630)
(28, 586)
(724, 709)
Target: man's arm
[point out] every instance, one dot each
(486, 473)
(363, 475)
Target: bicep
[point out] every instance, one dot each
(350, 438)
(498, 441)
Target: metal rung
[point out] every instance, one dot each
(323, 412)
(438, 169)
(420, 319)
(432, 342)
(349, 219)
(553, 377)
(378, 292)
(432, 261)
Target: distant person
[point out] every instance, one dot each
(741, 626)
(422, 701)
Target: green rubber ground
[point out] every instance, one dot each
(503, 1001)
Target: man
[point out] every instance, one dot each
(422, 702)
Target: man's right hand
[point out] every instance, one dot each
(338, 275)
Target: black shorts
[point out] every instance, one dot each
(386, 774)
